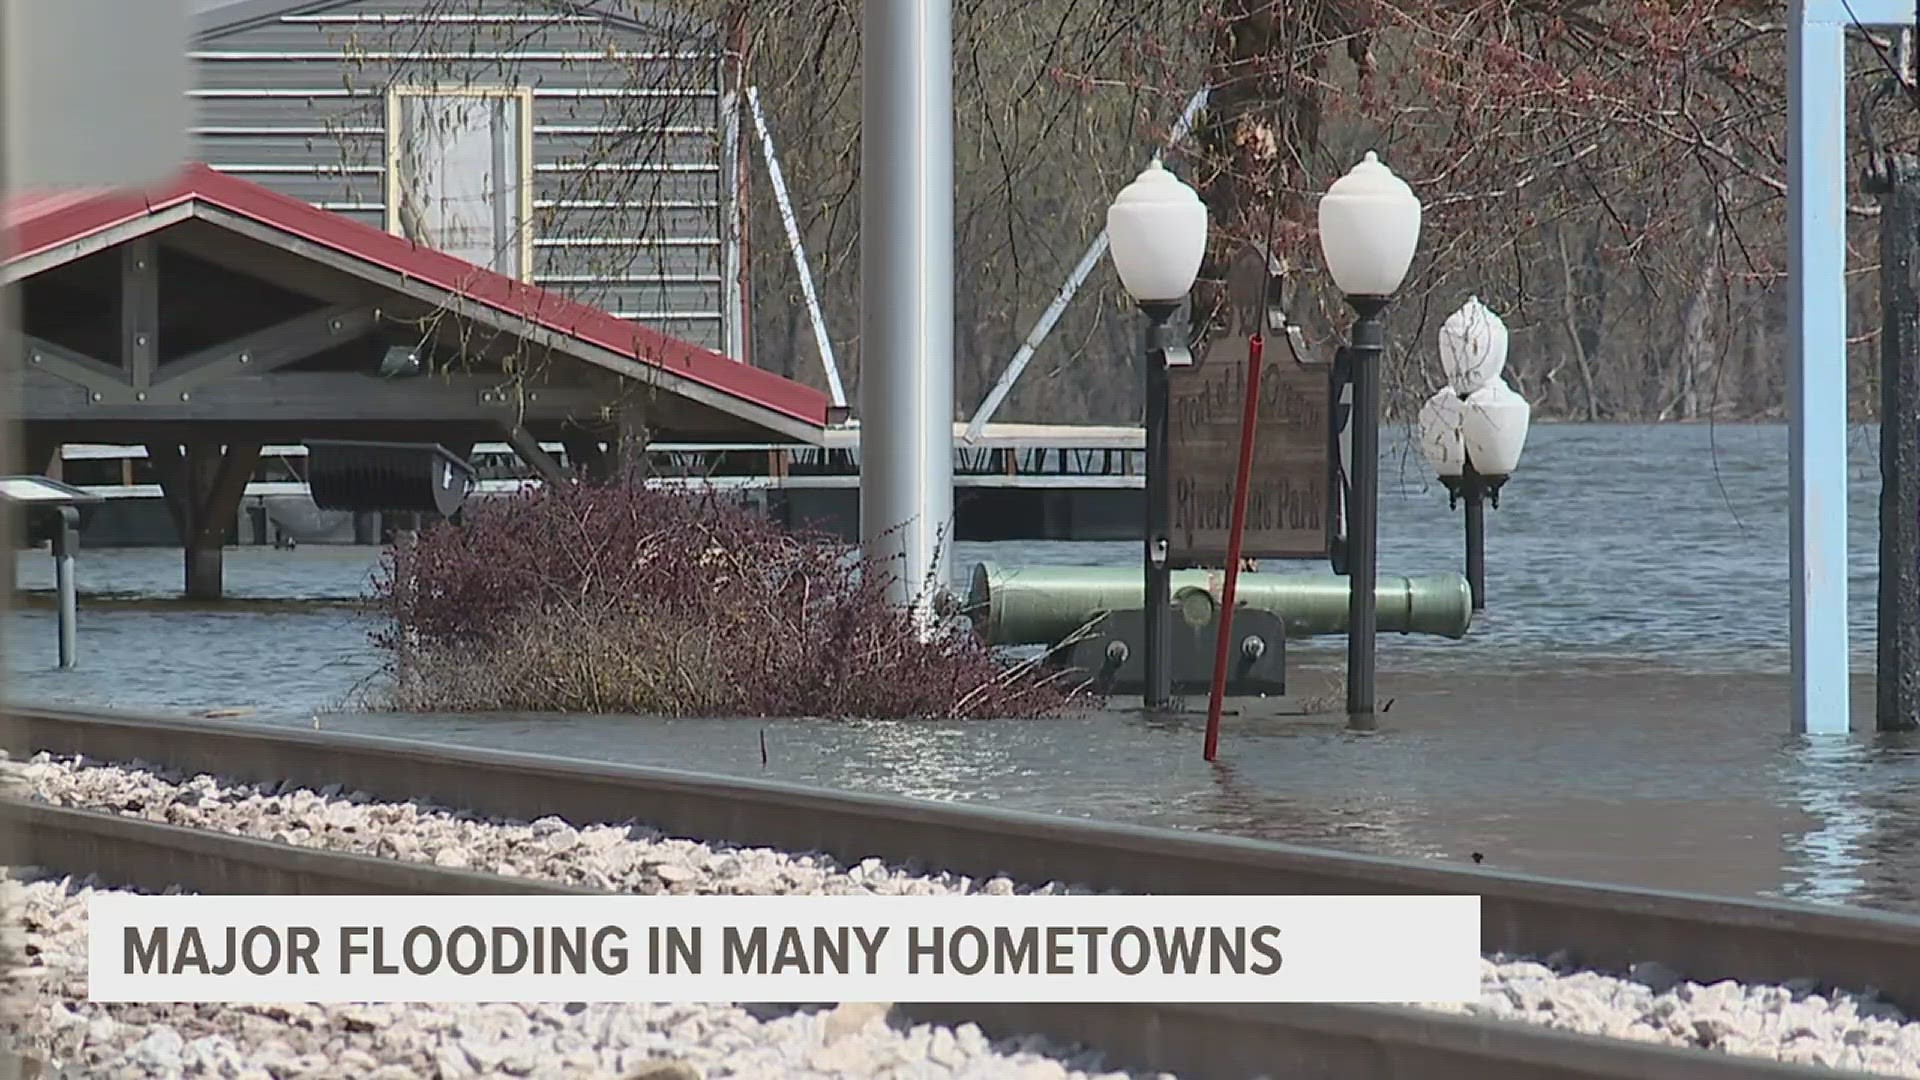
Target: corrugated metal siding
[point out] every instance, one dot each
(628, 195)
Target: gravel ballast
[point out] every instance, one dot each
(50, 1018)
(1793, 1023)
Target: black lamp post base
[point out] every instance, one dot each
(1163, 349)
(1363, 501)
(1477, 490)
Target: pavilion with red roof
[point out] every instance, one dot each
(216, 316)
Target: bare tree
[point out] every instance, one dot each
(1608, 174)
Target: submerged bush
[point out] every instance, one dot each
(618, 598)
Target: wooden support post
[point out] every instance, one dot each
(406, 528)
(205, 571)
(529, 450)
(203, 489)
(630, 446)
(1897, 698)
(41, 454)
(169, 471)
(462, 449)
(585, 457)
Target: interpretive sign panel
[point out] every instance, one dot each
(1287, 501)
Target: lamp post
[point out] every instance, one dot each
(1157, 234)
(1473, 429)
(1369, 227)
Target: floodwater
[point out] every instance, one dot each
(1619, 714)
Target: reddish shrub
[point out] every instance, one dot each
(618, 598)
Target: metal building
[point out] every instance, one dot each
(578, 146)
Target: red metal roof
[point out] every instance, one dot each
(35, 223)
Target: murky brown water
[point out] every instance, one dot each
(1621, 715)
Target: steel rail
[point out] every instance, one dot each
(1603, 927)
(153, 855)
(1195, 1041)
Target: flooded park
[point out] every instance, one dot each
(1618, 713)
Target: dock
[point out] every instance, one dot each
(1014, 482)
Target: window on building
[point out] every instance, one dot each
(460, 174)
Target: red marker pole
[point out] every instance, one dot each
(1223, 645)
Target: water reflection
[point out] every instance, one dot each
(1368, 821)
(1889, 800)
(943, 762)
(1822, 777)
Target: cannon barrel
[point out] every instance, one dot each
(1042, 605)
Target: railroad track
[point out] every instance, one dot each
(1198, 1042)
(1601, 927)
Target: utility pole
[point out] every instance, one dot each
(1897, 679)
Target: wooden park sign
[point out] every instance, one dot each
(1288, 499)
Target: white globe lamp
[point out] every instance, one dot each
(1157, 235)
(1495, 429)
(1442, 434)
(1473, 347)
(1369, 228)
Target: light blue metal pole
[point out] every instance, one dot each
(1817, 372)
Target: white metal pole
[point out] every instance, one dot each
(792, 225)
(906, 269)
(733, 302)
(1018, 365)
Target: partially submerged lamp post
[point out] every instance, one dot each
(1369, 227)
(1157, 232)
(1473, 429)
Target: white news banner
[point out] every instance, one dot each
(784, 949)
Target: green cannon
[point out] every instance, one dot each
(1043, 605)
